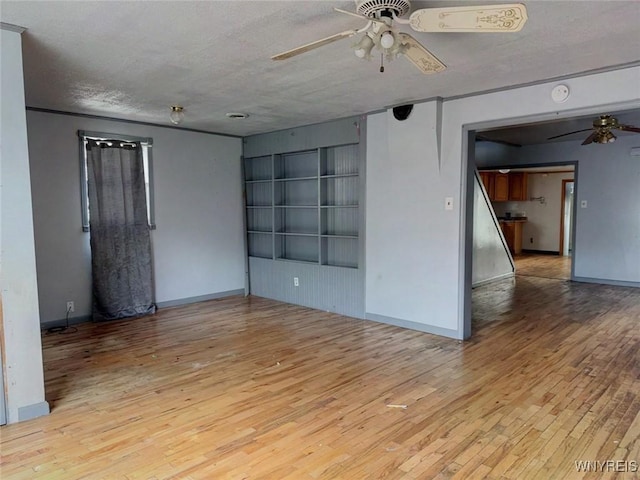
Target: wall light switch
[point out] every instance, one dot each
(583, 204)
(448, 203)
(296, 282)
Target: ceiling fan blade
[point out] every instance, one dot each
(628, 128)
(590, 138)
(570, 133)
(508, 18)
(354, 14)
(314, 45)
(420, 56)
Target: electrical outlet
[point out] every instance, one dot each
(296, 282)
(583, 204)
(71, 307)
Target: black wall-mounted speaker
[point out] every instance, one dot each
(402, 112)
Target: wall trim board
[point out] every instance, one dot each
(201, 298)
(123, 120)
(604, 281)
(170, 303)
(63, 321)
(421, 327)
(494, 279)
(33, 411)
(611, 68)
(344, 131)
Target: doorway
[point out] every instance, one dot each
(535, 214)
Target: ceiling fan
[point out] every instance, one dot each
(380, 32)
(602, 133)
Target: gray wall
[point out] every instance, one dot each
(22, 348)
(409, 232)
(198, 244)
(607, 231)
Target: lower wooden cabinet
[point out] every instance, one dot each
(512, 231)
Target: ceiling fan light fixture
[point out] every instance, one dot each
(364, 46)
(387, 40)
(605, 137)
(177, 114)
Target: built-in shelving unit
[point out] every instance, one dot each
(303, 206)
(259, 192)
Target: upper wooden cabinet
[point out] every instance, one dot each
(502, 187)
(518, 186)
(487, 180)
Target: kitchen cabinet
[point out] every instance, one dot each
(512, 231)
(487, 180)
(518, 186)
(501, 187)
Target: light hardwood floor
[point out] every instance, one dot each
(254, 389)
(545, 266)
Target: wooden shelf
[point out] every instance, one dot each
(339, 206)
(257, 181)
(342, 175)
(329, 235)
(295, 179)
(296, 206)
(297, 234)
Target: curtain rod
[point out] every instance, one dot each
(115, 136)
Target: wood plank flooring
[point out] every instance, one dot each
(255, 389)
(544, 266)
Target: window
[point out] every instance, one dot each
(147, 158)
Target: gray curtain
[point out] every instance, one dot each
(120, 241)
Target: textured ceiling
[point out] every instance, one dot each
(132, 60)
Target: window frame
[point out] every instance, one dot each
(146, 142)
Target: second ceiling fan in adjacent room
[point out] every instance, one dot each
(601, 130)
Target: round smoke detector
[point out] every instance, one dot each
(372, 8)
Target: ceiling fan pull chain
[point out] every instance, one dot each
(381, 63)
